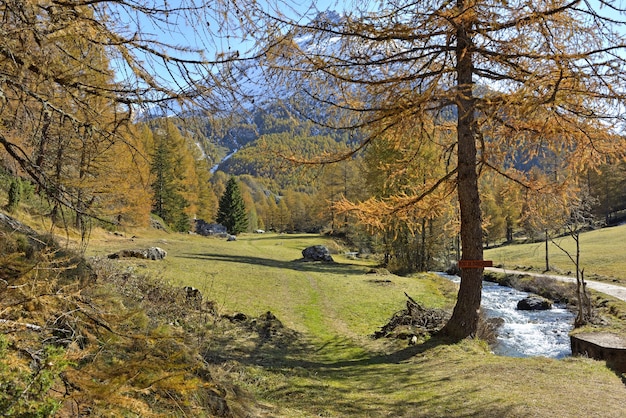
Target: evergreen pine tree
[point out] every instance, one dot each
(232, 209)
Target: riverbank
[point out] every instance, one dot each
(608, 301)
(615, 291)
(601, 255)
(523, 333)
(332, 366)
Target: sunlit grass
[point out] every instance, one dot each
(338, 370)
(445, 381)
(601, 254)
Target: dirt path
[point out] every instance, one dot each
(337, 324)
(618, 292)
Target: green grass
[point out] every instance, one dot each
(447, 381)
(601, 254)
(259, 273)
(334, 368)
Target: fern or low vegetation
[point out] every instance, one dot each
(88, 338)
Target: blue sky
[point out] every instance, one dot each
(200, 34)
(203, 32)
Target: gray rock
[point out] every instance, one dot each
(534, 303)
(155, 253)
(317, 253)
(157, 224)
(206, 229)
(152, 253)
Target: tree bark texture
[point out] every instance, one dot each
(464, 320)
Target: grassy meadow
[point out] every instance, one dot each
(601, 255)
(262, 272)
(330, 366)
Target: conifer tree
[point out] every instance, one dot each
(232, 209)
(128, 176)
(205, 199)
(271, 213)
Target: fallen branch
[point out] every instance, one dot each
(10, 323)
(416, 318)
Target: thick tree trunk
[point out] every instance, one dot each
(464, 320)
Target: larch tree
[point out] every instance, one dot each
(249, 203)
(270, 213)
(608, 186)
(502, 205)
(513, 81)
(128, 175)
(283, 216)
(300, 205)
(415, 238)
(171, 166)
(206, 204)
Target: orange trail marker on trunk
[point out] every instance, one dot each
(475, 264)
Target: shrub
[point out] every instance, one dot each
(24, 388)
(15, 195)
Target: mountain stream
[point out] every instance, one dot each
(525, 333)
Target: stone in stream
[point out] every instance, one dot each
(534, 303)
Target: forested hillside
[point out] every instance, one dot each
(273, 155)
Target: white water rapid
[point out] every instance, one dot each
(526, 333)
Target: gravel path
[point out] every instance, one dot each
(618, 292)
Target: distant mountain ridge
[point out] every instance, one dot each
(272, 107)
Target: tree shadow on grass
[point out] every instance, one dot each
(298, 265)
(291, 237)
(398, 383)
(396, 392)
(252, 342)
(337, 345)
